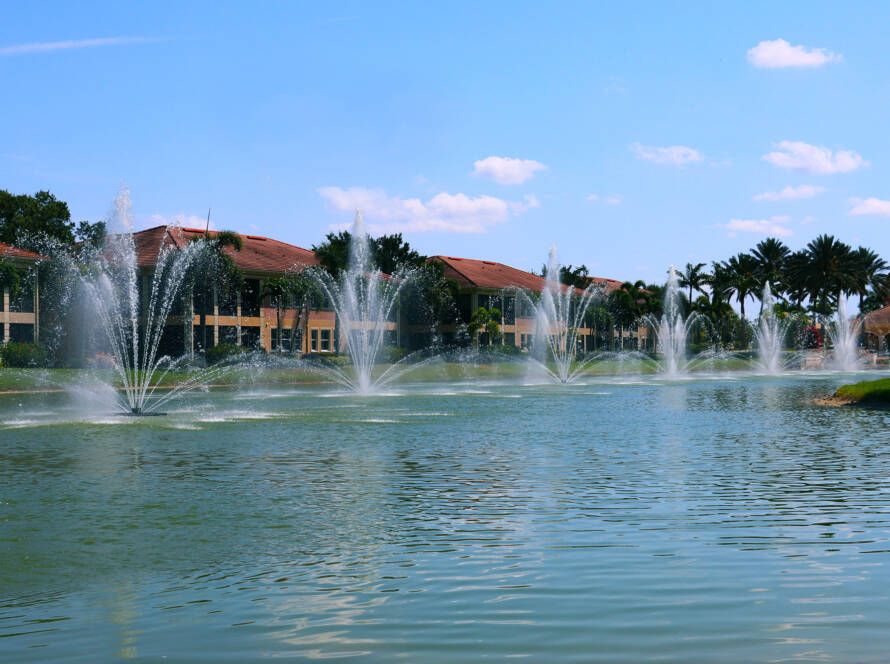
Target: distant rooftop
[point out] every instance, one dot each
(472, 273)
(259, 254)
(8, 251)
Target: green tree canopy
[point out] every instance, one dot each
(390, 253)
(23, 215)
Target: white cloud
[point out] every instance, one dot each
(609, 200)
(45, 47)
(807, 220)
(444, 212)
(790, 193)
(677, 155)
(814, 159)
(779, 53)
(771, 226)
(869, 206)
(507, 170)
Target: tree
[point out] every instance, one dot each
(488, 320)
(770, 255)
(291, 290)
(743, 281)
(11, 276)
(624, 305)
(694, 278)
(579, 277)
(390, 253)
(868, 265)
(92, 234)
(829, 272)
(42, 213)
(214, 273)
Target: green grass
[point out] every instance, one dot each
(869, 391)
(14, 380)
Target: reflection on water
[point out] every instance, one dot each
(696, 521)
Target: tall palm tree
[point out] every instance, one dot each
(720, 283)
(771, 255)
(742, 269)
(828, 273)
(868, 265)
(694, 278)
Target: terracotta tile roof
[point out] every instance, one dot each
(471, 273)
(259, 254)
(608, 285)
(8, 251)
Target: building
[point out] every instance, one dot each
(20, 315)
(248, 318)
(489, 284)
(876, 329)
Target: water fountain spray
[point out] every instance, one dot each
(133, 328)
(560, 314)
(770, 335)
(364, 299)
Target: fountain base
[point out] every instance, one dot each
(137, 414)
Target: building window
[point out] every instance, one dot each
(509, 338)
(250, 337)
(509, 311)
(326, 340)
(313, 337)
(250, 298)
(24, 301)
(285, 339)
(228, 334)
(464, 307)
(526, 308)
(21, 332)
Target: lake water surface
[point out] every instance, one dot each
(724, 519)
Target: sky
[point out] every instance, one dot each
(630, 135)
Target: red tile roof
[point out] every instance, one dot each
(8, 251)
(471, 273)
(608, 285)
(259, 254)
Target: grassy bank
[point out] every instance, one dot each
(869, 391)
(33, 380)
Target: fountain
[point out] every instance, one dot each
(770, 335)
(364, 299)
(559, 315)
(844, 335)
(133, 327)
(672, 331)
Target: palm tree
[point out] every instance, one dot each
(742, 270)
(828, 273)
(868, 265)
(720, 283)
(626, 304)
(693, 277)
(215, 270)
(771, 255)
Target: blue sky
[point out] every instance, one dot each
(631, 137)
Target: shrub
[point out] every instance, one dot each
(23, 354)
(216, 354)
(392, 354)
